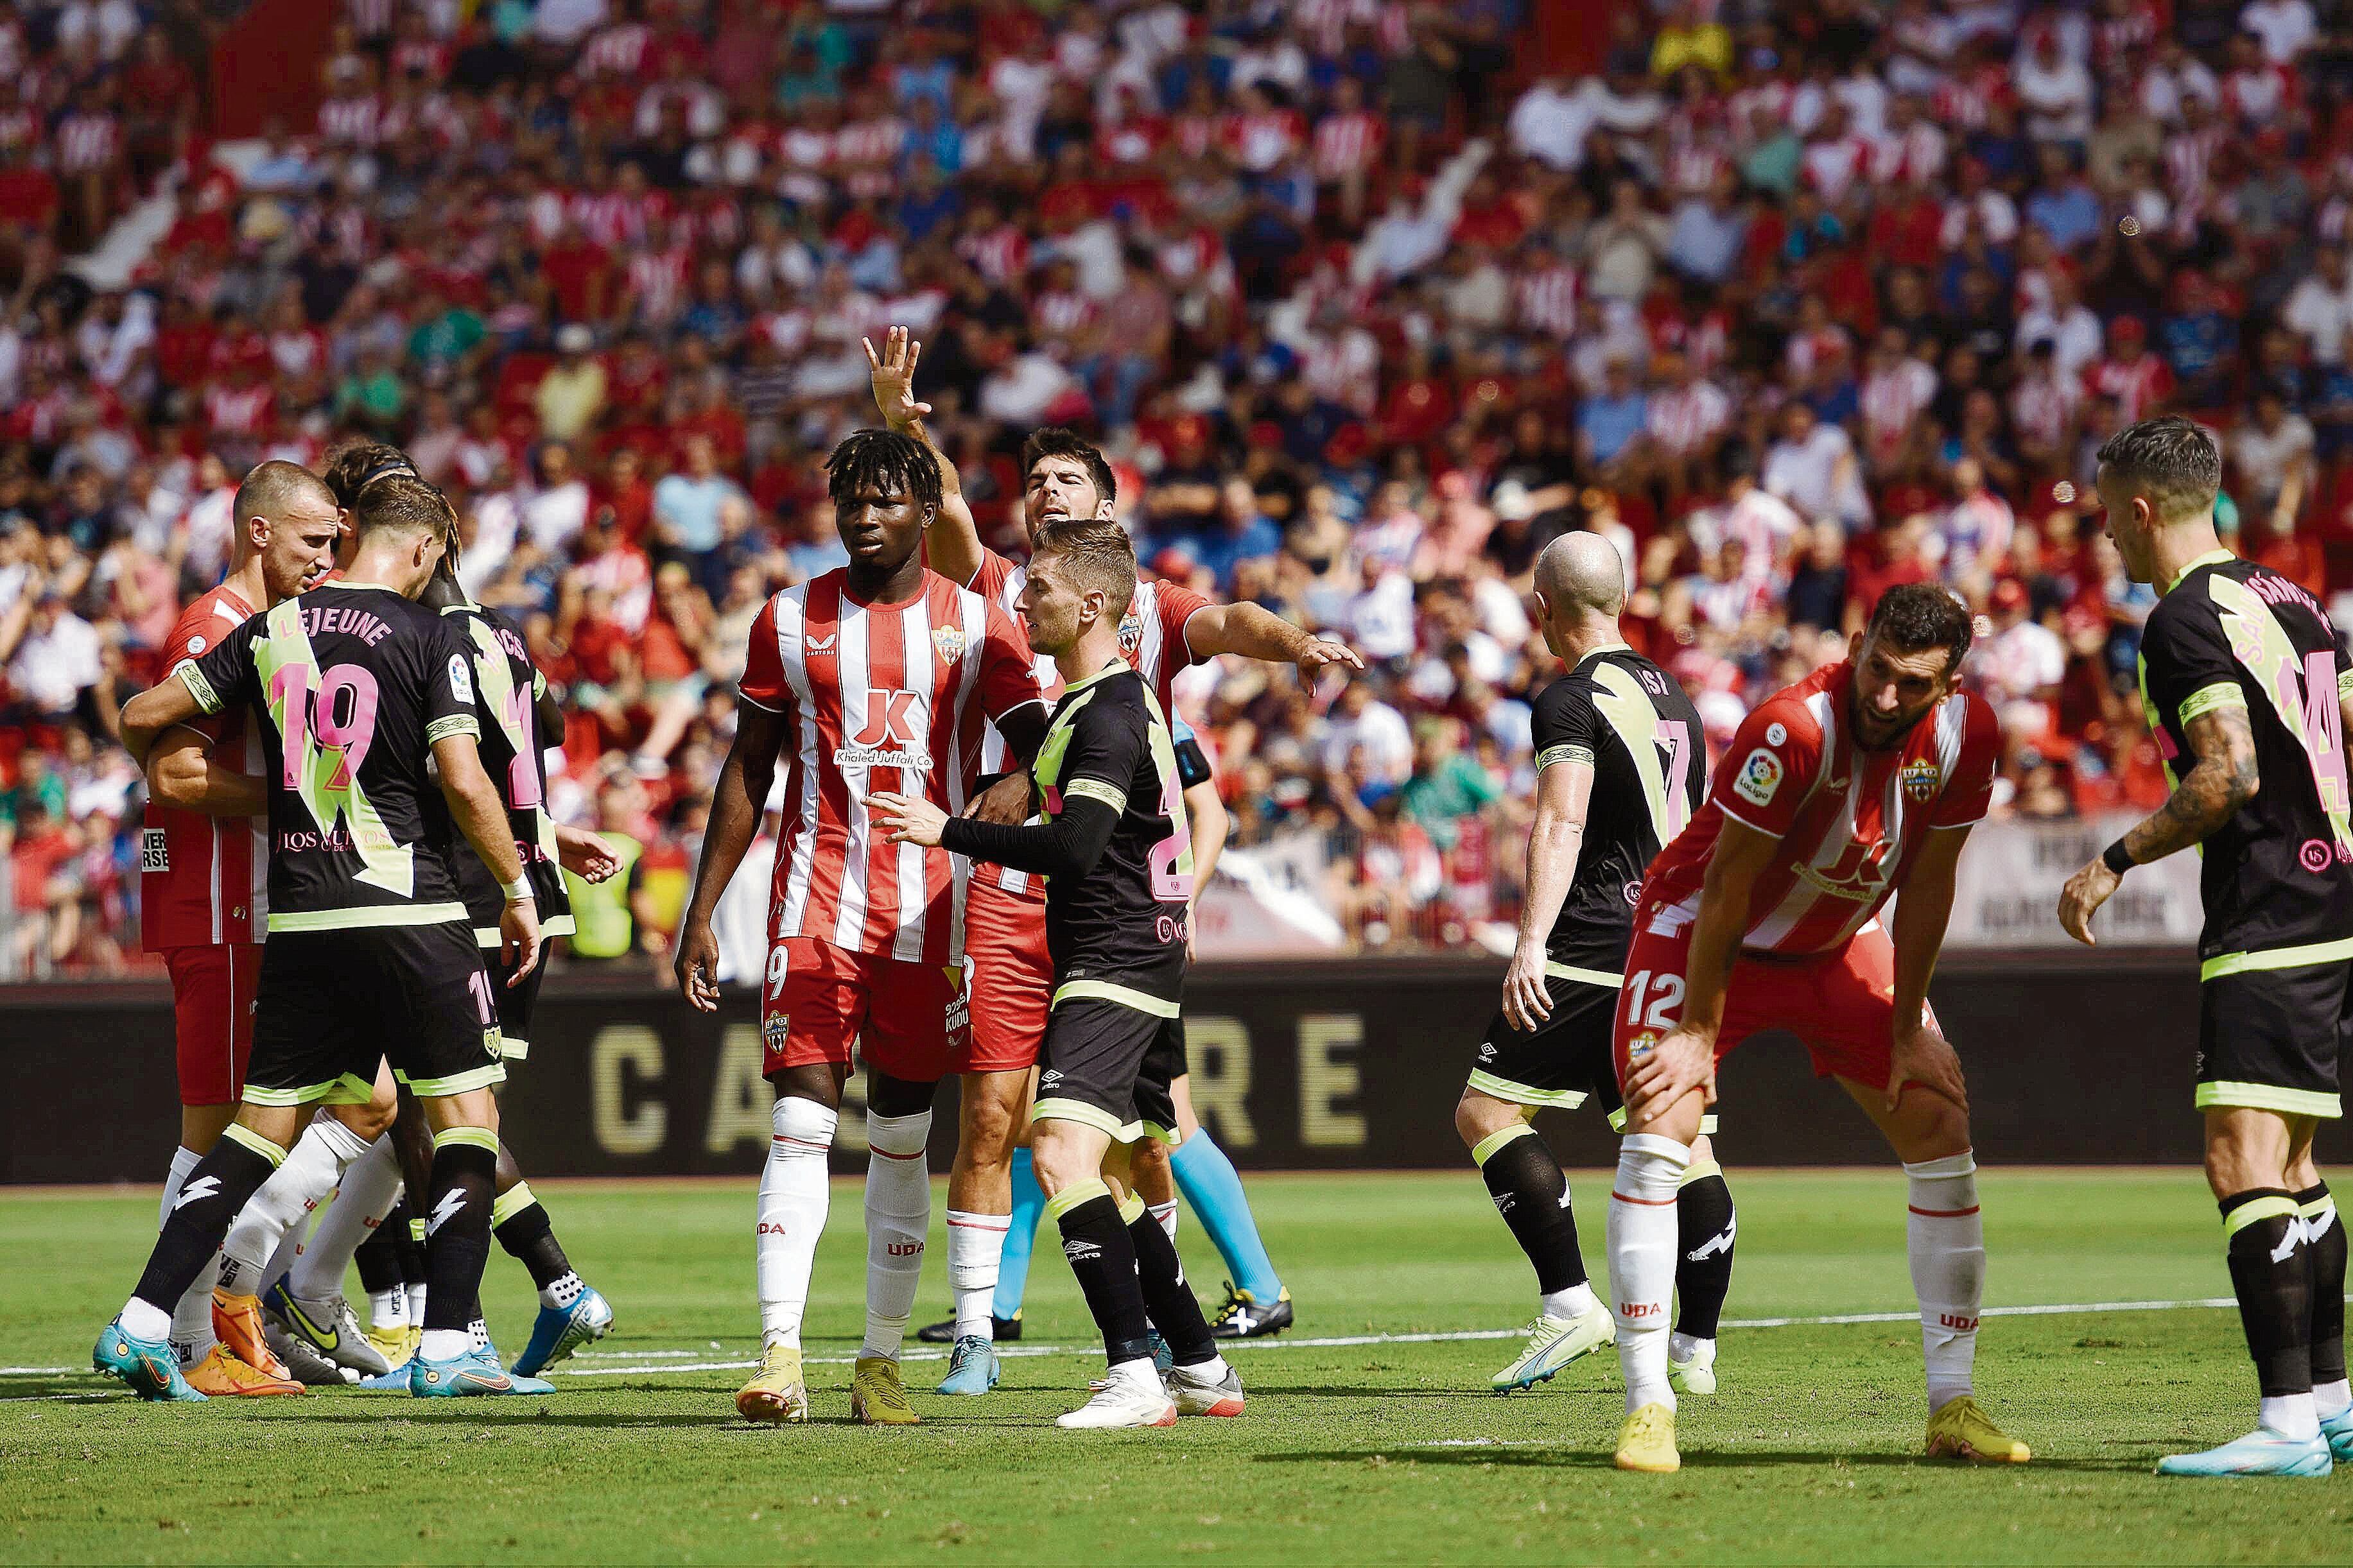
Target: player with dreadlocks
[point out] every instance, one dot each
(515, 708)
(875, 677)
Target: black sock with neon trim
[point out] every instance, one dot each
(2324, 1246)
(2272, 1279)
(457, 1226)
(208, 1201)
(520, 1222)
(1705, 1225)
(1175, 1311)
(1096, 1242)
(1530, 1192)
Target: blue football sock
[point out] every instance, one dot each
(1029, 1204)
(1210, 1184)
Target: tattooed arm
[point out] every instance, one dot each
(2224, 780)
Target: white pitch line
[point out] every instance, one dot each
(681, 1360)
(1338, 1341)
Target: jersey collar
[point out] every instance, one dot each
(1597, 653)
(376, 587)
(1113, 667)
(2212, 558)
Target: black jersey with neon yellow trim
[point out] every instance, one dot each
(351, 684)
(1118, 932)
(1630, 722)
(507, 685)
(2279, 874)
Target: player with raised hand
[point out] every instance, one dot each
(2249, 692)
(1621, 766)
(1113, 846)
(1164, 629)
(369, 955)
(1860, 782)
(203, 893)
(875, 676)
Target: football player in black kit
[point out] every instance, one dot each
(2248, 692)
(1621, 766)
(1117, 856)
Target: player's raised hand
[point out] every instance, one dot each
(697, 965)
(2081, 898)
(1528, 1002)
(519, 939)
(893, 372)
(1921, 1056)
(1683, 1061)
(907, 820)
(1005, 802)
(585, 855)
(1325, 653)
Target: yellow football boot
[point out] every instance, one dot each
(223, 1374)
(1647, 1441)
(877, 1396)
(1961, 1430)
(777, 1392)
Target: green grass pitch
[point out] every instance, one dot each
(1385, 1450)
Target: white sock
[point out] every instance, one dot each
(976, 1247)
(417, 1305)
(184, 1159)
(898, 1217)
(369, 1189)
(190, 1326)
(1167, 1215)
(1689, 1351)
(313, 1168)
(1642, 1246)
(478, 1335)
(1213, 1370)
(144, 1321)
(2289, 1414)
(1946, 1240)
(1139, 1375)
(562, 1292)
(290, 1248)
(445, 1344)
(388, 1308)
(2332, 1398)
(1573, 1303)
(794, 1197)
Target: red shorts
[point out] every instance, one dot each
(908, 1018)
(213, 989)
(1842, 1003)
(1012, 978)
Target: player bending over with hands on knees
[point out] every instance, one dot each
(2243, 677)
(1114, 849)
(370, 956)
(1621, 767)
(1860, 779)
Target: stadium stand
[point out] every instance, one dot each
(1794, 302)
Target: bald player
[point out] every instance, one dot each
(1621, 767)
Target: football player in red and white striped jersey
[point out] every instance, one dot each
(1865, 778)
(1165, 629)
(878, 676)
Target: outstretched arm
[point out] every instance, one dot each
(952, 545)
(1685, 1060)
(1254, 631)
(1069, 846)
(168, 702)
(2224, 779)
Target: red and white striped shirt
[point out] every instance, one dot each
(1347, 144)
(356, 119)
(87, 141)
(240, 410)
(204, 880)
(879, 697)
(1850, 822)
(618, 50)
(1151, 638)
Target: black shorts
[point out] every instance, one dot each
(514, 1003)
(2270, 1038)
(1565, 1062)
(1110, 1066)
(333, 1004)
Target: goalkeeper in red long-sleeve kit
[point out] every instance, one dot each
(1117, 857)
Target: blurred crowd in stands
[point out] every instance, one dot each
(1794, 300)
